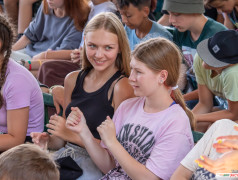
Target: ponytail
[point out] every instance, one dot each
(178, 98)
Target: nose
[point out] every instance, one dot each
(99, 53)
(132, 76)
(172, 19)
(124, 19)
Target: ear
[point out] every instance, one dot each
(162, 76)
(146, 11)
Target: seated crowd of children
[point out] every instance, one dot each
(132, 90)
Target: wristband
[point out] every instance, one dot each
(40, 62)
(29, 62)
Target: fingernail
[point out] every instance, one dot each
(219, 141)
(200, 165)
(196, 161)
(236, 125)
(201, 157)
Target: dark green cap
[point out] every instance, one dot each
(184, 6)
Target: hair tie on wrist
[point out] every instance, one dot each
(29, 62)
(175, 87)
(40, 62)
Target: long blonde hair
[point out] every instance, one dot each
(161, 54)
(110, 22)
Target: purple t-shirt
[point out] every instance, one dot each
(22, 90)
(157, 140)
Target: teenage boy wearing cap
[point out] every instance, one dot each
(138, 26)
(191, 27)
(229, 9)
(216, 70)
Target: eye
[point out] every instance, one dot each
(92, 46)
(108, 47)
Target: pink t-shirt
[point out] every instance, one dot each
(22, 90)
(157, 140)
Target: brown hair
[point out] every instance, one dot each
(208, 3)
(110, 22)
(78, 10)
(161, 54)
(27, 161)
(6, 40)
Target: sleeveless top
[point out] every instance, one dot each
(94, 105)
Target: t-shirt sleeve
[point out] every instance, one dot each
(197, 66)
(230, 81)
(167, 154)
(17, 92)
(35, 28)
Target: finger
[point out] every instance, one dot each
(206, 160)
(76, 109)
(231, 137)
(108, 118)
(230, 144)
(53, 122)
(76, 60)
(72, 122)
(236, 127)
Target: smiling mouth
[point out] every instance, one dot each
(99, 62)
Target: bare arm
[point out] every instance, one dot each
(191, 95)
(182, 173)
(21, 43)
(122, 91)
(227, 22)
(50, 54)
(230, 113)
(203, 110)
(17, 122)
(205, 103)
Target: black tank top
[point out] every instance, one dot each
(94, 105)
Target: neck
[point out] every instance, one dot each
(96, 2)
(160, 101)
(60, 12)
(99, 76)
(198, 25)
(144, 28)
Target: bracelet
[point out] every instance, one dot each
(29, 62)
(40, 62)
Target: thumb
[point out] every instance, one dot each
(57, 107)
(77, 110)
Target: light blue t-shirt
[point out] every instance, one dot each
(157, 30)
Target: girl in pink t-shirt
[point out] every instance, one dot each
(149, 134)
(21, 101)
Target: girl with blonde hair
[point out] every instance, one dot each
(97, 89)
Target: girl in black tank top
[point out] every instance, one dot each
(95, 105)
(96, 89)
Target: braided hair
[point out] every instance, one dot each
(6, 40)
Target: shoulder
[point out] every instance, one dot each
(213, 26)
(70, 79)
(130, 102)
(16, 73)
(122, 87)
(231, 72)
